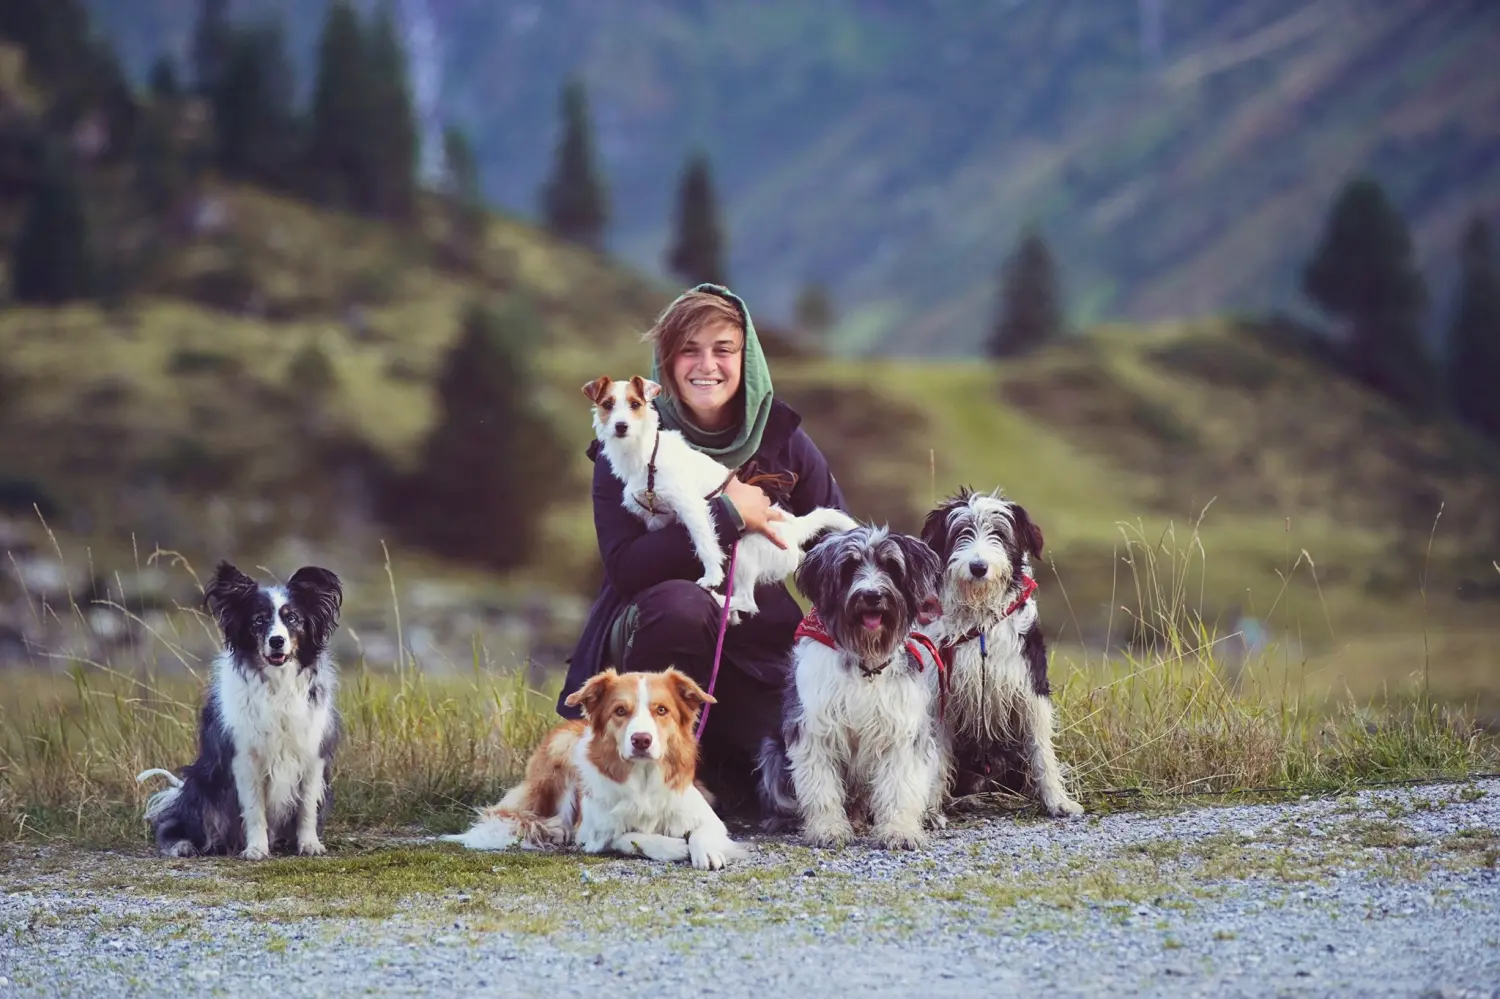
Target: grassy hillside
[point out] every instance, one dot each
(893, 150)
(166, 422)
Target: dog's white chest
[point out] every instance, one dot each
(879, 712)
(275, 722)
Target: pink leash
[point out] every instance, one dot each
(713, 677)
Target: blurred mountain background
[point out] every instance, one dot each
(1170, 150)
(292, 281)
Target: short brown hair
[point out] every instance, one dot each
(681, 320)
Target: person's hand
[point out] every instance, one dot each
(755, 509)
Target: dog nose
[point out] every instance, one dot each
(979, 568)
(868, 598)
(277, 641)
(640, 741)
(622, 428)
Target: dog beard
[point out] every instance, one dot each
(871, 644)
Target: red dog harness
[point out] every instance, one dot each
(1028, 587)
(811, 626)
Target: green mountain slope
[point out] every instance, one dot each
(893, 150)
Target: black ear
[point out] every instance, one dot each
(320, 595)
(816, 575)
(228, 590)
(935, 528)
(1028, 534)
(923, 567)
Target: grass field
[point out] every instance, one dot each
(1189, 717)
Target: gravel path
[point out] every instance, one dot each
(1384, 893)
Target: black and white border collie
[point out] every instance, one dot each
(1000, 700)
(860, 721)
(268, 727)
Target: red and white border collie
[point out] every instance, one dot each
(619, 779)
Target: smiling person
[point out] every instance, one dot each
(650, 612)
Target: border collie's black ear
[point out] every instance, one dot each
(226, 591)
(592, 692)
(1028, 534)
(320, 594)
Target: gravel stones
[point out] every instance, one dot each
(1390, 892)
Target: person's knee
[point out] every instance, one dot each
(674, 618)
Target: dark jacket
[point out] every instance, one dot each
(635, 559)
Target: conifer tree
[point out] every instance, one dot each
(337, 167)
(814, 310)
(162, 82)
(491, 462)
(1363, 271)
(255, 118)
(574, 200)
(392, 143)
(52, 259)
(210, 42)
(1474, 341)
(1030, 300)
(461, 187)
(697, 255)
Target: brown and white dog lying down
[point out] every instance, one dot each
(619, 779)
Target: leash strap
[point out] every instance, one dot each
(713, 677)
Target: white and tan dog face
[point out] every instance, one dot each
(984, 542)
(622, 409)
(643, 716)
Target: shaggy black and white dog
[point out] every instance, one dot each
(268, 727)
(1000, 703)
(859, 723)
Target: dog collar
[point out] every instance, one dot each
(647, 498)
(811, 626)
(1028, 587)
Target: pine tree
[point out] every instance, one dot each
(52, 259)
(460, 186)
(697, 256)
(255, 117)
(392, 144)
(814, 310)
(492, 462)
(337, 167)
(1363, 271)
(1474, 341)
(210, 41)
(574, 200)
(1030, 306)
(162, 83)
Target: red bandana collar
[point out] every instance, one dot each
(811, 626)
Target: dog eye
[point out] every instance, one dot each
(661, 709)
(634, 404)
(621, 711)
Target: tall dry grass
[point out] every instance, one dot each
(1178, 713)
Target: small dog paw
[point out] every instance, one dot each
(900, 838)
(830, 836)
(1059, 805)
(256, 852)
(711, 581)
(311, 848)
(707, 854)
(181, 848)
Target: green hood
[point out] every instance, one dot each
(734, 445)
